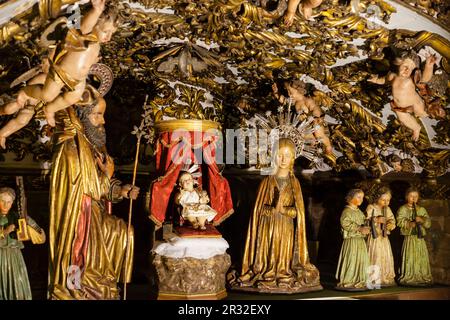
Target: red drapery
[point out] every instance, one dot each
(80, 247)
(173, 150)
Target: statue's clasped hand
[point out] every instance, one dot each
(289, 212)
(106, 164)
(431, 59)
(9, 229)
(268, 210)
(364, 230)
(130, 192)
(380, 219)
(419, 220)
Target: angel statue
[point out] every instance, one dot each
(14, 284)
(295, 91)
(62, 80)
(411, 97)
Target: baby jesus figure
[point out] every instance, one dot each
(194, 203)
(407, 103)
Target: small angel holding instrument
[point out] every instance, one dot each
(382, 223)
(14, 284)
(413, 221)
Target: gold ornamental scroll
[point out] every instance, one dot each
(186, 124)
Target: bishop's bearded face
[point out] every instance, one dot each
(93, 122)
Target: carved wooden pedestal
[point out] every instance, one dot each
(185, 271)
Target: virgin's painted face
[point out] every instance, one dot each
(285, 157)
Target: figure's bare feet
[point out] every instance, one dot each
(203, 228)
(50, 116)
(3, 142)
(14, 106)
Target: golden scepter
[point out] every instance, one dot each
(138, 132)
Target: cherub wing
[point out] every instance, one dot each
(24, 77)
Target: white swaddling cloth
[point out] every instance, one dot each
(190, 201)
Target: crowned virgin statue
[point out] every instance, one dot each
(276, 256)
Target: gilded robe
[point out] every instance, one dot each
(415, 267)
(276, 253)
(85, 240)
(379, 248)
